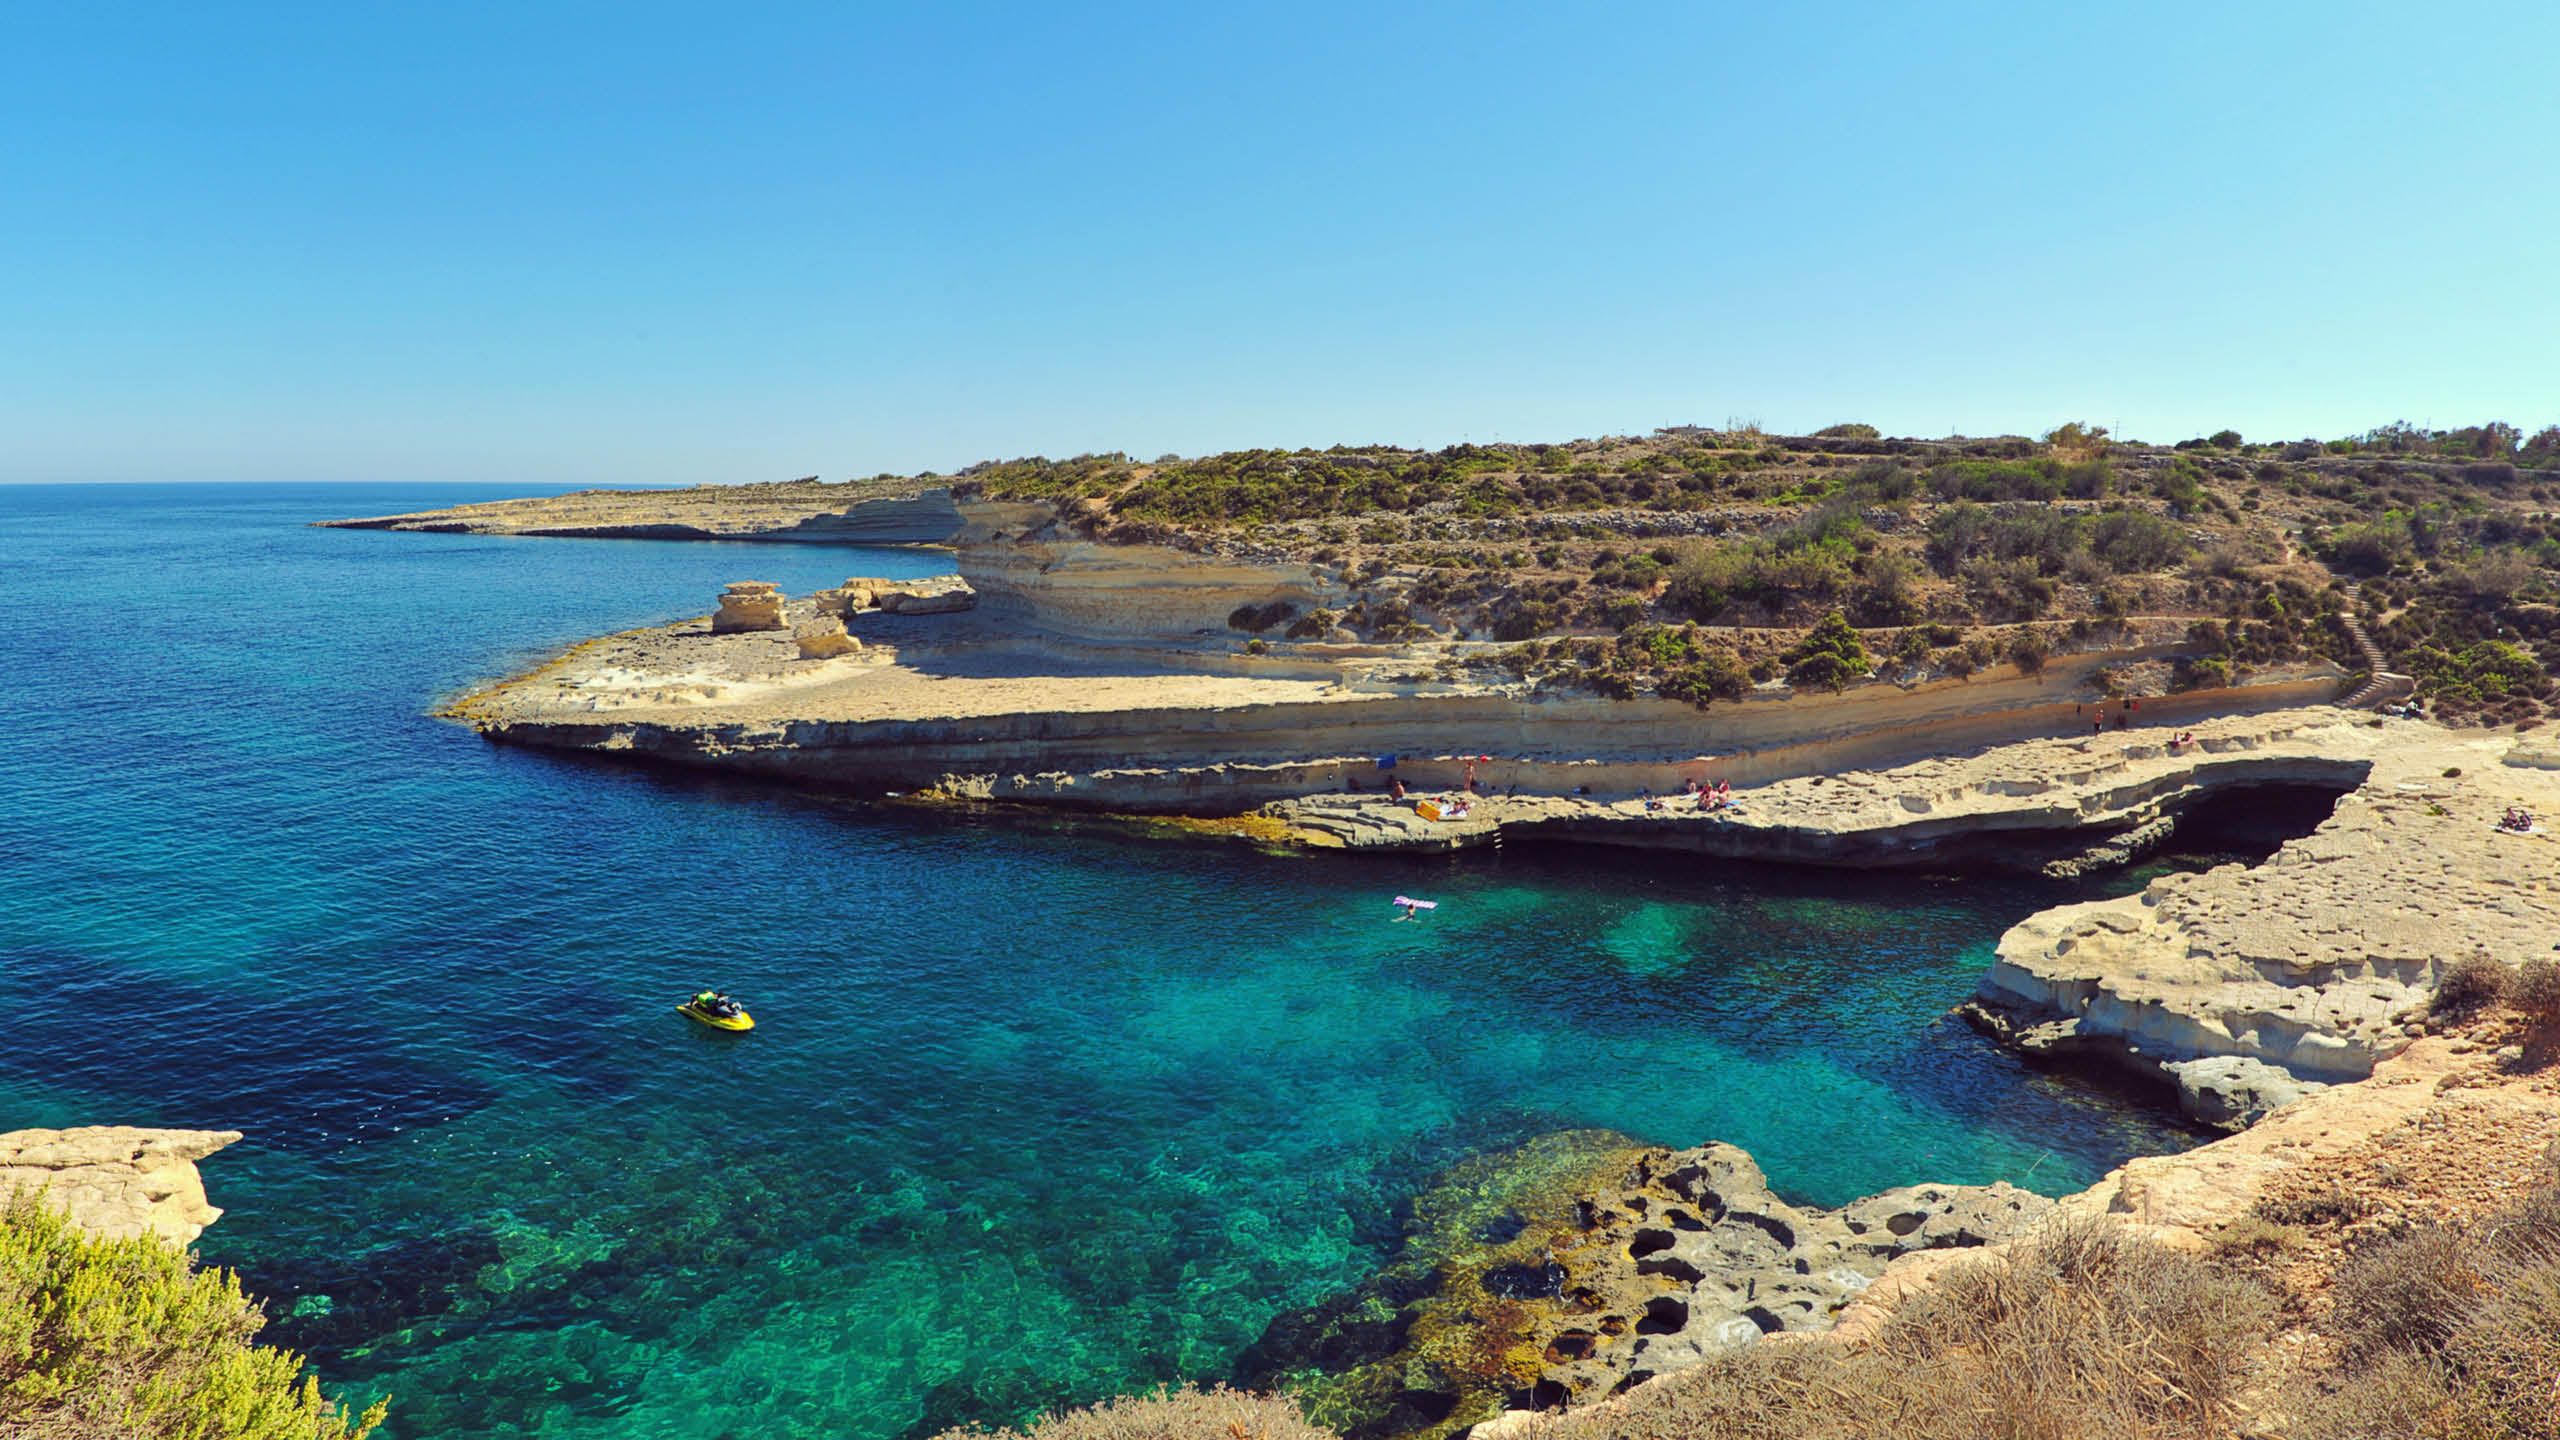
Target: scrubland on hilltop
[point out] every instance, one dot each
(1691, 562)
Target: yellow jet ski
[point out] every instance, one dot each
(718, 1011)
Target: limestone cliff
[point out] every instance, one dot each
(1043, 574)
(117, 1180)
(2315, 960)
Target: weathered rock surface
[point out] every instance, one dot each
(926, 602)
(1699, 1257)
(748, 605)
(2309, 961)
(117, 1180)
(2234, 1092)
(823, 637)
(1531, 1295)
(1041, 574)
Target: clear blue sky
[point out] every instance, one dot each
(639, 242)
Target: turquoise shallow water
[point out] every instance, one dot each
(1036, 1112)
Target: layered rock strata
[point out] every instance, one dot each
(1039, 573)
(117, 1180)
(749, 605)
(2316, 961)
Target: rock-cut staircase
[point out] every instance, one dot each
(2378, 681)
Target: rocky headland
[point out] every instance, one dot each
(853, 512)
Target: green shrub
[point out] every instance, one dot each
(2029, 649)
(1716, 674)
(127, 1338)
(1313, 625)
(1830, 656)
(1698, 587)
(2135, 541)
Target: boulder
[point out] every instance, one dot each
(823, 637)
(935, 602)
(117, 1180)
(2234, 1092)
(748, 605)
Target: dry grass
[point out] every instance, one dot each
(2085, 1331)
(2468, 986)
(2535, 995)
(1217, 1413)
(2449, 1332)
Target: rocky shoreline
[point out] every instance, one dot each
(119, 1181)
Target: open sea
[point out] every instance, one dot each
(1037, 1111)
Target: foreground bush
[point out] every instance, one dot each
(2468, 986)
(127, 1338)
(2449, 1332)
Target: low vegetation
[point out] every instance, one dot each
(127, 1338)
(2445, 543)
(2447, 1332)
(2084, 1332)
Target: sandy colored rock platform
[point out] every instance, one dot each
(851, 512)
(2315, 959)
(117, 1180)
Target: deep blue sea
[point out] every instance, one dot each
(1036, 1111)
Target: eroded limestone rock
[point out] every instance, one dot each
(2233, 1092)
(748, 605)
(117, 1180)
(926, 602)
(1566, 1295)
(823, 637)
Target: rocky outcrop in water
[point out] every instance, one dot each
(117, 1180)
(1579, 1265)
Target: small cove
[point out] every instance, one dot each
(1038, 1112)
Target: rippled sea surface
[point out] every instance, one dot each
(1036, 1112)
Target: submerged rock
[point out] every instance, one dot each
(1520, 1288)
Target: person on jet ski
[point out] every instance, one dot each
(712, 1002)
